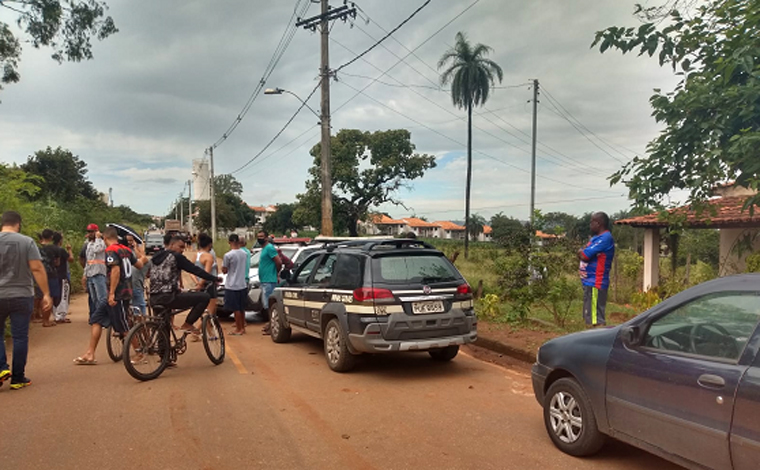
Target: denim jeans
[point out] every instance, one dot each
(267, 289)
(97, 291)
(138, 300)
(19, 309)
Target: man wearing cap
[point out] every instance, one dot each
(93, 260)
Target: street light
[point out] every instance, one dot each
(279, 91)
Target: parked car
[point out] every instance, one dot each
(154, 242)
(681, 380)
(376, 296)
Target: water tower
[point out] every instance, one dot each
(201, 175)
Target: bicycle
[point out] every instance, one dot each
(151, 345)
(115, 340)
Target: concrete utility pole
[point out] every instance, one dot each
(323, 20)
(190, 206)
(212, 192)
(533, 157)
(181, 209)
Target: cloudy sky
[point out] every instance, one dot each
(175, 77)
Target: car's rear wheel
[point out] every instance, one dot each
(444, 354)
(278, 329)
(339, 358)
(569, 419)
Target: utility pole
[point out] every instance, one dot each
(533, 158)
(190, 206)
(212, 192)
(323, 19)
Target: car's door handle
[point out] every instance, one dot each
(711, 381)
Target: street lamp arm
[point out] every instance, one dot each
(279, 91)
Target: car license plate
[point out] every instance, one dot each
(421, 308)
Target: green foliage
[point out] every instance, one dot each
(469, 71)
(645, 300)
(490, 307)
(368, 168)
(711, 119)
(281, 222)
(509, 232)
(231, 211)
(64, 175)
(753, 263)
(702, 245)
(65, 26)
(227, 185)
(477, 222)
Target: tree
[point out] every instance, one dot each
(66, 26)
(63, 174)
(558, 223)
(510, 232)
(471, 76)
(367, 170)
(282, 220)
(227, 185)
(477, 222)
(711, 119)
(17, 188)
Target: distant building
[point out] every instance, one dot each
(201, 177)
(262, 213)
(381, 224)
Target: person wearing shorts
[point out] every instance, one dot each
(119, 261)
(235, 287)
(596, 262)
(270, 265)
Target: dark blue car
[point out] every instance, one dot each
(681, 380)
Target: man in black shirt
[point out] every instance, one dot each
(51, 259)
(165, 275)
(66, 256)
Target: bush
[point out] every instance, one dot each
(753, 263)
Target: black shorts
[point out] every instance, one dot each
(116, 316)
(235, 300)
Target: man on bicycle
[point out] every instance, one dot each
(165, 276)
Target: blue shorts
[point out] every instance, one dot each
(235, 300)
(116, 316)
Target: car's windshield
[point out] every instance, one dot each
(154, 239)
(425, 269)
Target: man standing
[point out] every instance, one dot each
(51, 260)
(138, 279)
(206, 260)
(247, 252)
(118, 261)
(93, 260)
(20, 266)
(235, 287)
(64, 278)
(596, 261)
(269, 269)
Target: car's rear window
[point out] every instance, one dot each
(421, 269)
(155, 238)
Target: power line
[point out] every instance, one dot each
(414, 13)
(285, 40)
(526, 204)
(303, 104)
(261, 161)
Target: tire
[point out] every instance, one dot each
(444, 354)
(147, 350)
(339, 358)
(570, 420)
(213, 339)
(114, 345)
(279, 331)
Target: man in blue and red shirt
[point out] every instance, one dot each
(596, 261)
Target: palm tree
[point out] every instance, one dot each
(471, 76)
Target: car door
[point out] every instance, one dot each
(293, 293)
(676, 390)
(317, 293)
(745, 429)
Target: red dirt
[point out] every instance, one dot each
(525, 339)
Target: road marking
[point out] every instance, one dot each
(238, 365)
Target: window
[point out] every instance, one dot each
(424, 269)
(716, 326)
(325, 271)
(305, 272)
(348, 272)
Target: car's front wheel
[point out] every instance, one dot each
(570, 420)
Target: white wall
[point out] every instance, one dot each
(731, 260)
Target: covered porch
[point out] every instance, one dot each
(738, 232)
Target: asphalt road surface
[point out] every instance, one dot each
(277, 406)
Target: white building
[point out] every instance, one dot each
(201, 177)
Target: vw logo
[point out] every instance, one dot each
(427, 290)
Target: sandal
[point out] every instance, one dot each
(236, 333)
(80, 361)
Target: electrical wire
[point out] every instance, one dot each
(282, 46)
(522, 204)
(414, 13)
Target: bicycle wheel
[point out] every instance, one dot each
(114, 344)
(147, 350)
(213, 338)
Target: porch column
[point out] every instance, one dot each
(651, 258)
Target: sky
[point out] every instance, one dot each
(178, 73)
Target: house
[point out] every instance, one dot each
(449, 230)
(381, 224)
(420, 227)
(486, 235)
(724, 212)
(262, 213)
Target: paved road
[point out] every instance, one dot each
(277, 406)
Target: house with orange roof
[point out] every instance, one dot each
(449, 230)
(262, 213)
(486, 235)
(381, 224)
(421, 227)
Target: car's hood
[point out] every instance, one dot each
(253, 276)
(577, 343)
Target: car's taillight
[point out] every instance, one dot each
(464, 289)
(368, 293)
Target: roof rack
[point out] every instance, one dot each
(371, 244)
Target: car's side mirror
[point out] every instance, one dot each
(286, 275)
(631, 336)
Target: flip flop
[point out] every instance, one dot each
(235, 333)
(79, 361)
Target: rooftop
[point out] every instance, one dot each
(451, 226)
(728, 214)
